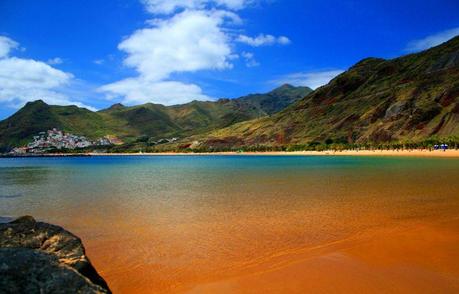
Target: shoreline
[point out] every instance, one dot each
(46, 155)
(413, 153)
(451, 153)
(454, 153)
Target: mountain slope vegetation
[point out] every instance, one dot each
(145, 122)
(411, 98)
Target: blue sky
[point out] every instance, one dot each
(94, 53)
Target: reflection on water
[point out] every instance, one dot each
(10, 196)
(169, 223)
(5, 219)
(23, 175)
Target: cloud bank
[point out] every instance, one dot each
(170, 6)
(432, 40)
(263, 40)
(55, 60)
(23, 80)
(313, 80)
(6, 45)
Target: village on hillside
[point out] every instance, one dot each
(57, 139)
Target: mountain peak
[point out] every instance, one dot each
(33, 106)
(38, 102)
(117, 106)
(369, 61)
(287, 88)
(284, 87)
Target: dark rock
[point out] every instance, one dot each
(446, 61)
(37, 257)
(395, 109)
(24, 270)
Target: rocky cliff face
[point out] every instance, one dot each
(37, 257)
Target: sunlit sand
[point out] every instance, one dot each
(409, 153)
(418, 258)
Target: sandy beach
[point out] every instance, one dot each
(413, 153)
(415, 258)
(452, 153)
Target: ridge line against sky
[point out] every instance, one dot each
(175, 51)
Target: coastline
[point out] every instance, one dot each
(413, 153)
(451, 153)
(45, 155)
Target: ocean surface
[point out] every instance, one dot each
(169, 224)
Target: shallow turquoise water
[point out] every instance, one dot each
(160, 220)
(42, 186)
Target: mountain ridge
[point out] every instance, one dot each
(410, 98)
(145, 121)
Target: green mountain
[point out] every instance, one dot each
(147, 121)
(38, 116)
(411, 98)
(158, 121)
(277, 99)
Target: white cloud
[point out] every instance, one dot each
(313, 79)
(55, 60)
(189, 36)
(31, 73)
(432, 40)
(99, 61)
(6, 44)
(23, 80)
(263, 40)
(170, 6)
(283, 40)
(189, 41)
(140, 90)
(249, 59)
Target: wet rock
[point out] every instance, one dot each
(37, 257)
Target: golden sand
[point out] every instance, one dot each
(414, 153)
(419, 258)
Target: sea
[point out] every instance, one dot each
(167, 224)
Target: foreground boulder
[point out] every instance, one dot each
(37, 257)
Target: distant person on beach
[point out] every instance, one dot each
(444, 147)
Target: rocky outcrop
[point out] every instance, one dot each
(37, 257)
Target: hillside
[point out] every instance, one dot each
(38, 116)
(196, 117)
(276, 100)
(145, 122)
(411, 98)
